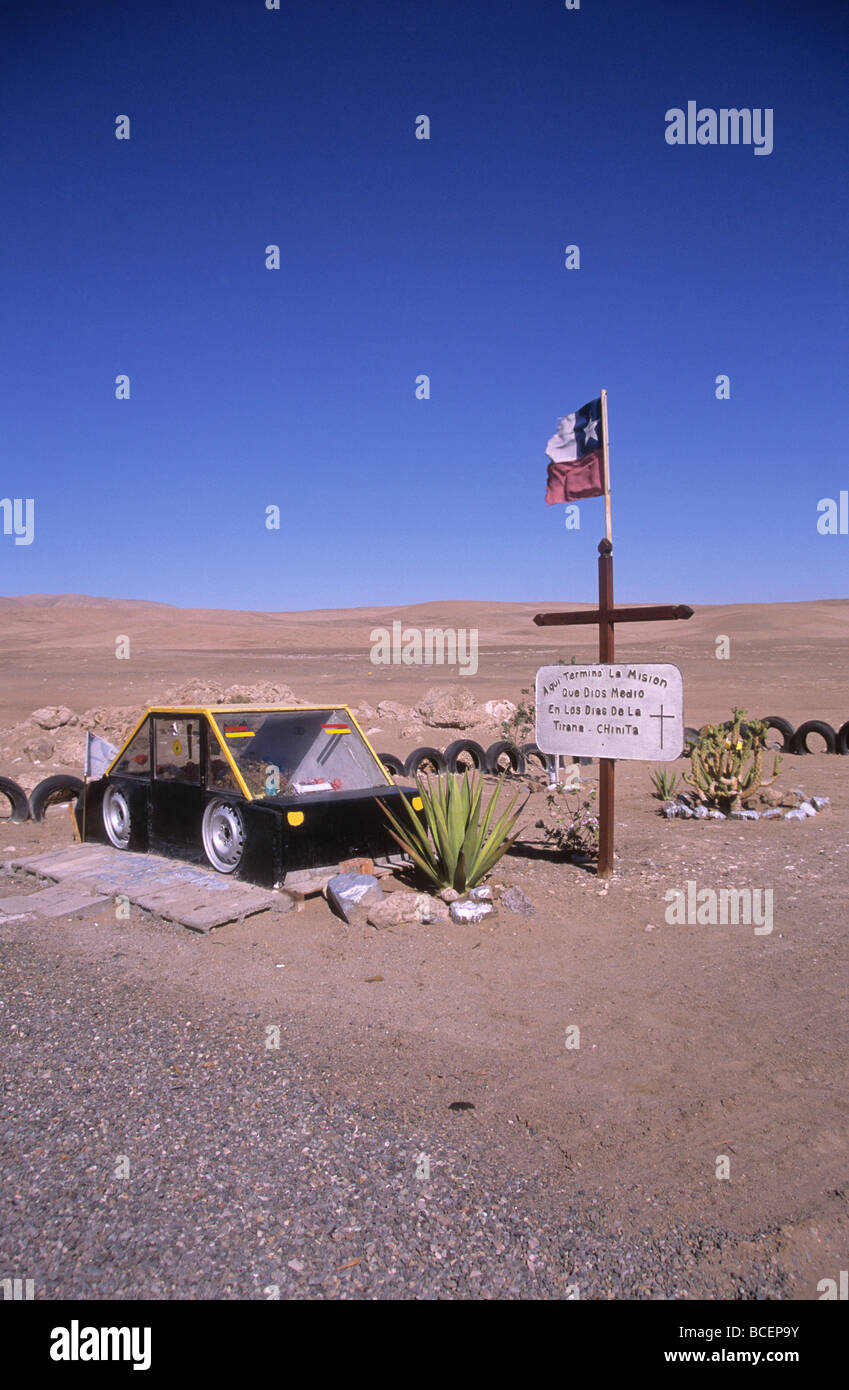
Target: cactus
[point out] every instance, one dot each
(719, 774)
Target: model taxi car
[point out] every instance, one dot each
(257, 791)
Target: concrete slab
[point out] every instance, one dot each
(97, 874)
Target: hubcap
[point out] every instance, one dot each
(116, 818)
(223, 836)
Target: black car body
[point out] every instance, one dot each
(262, 792)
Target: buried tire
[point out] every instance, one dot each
(394, 766)
(691, 738)
(117, 821)
(423, 755)
(531, 751)
(799, 742)
(843, 739)
(16, 797)
(223, 832)
(783, 727)
(465, 745)
(504, 749)
(49, 790)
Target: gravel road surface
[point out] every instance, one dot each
(152, 1147)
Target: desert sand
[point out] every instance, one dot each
(696, 1041)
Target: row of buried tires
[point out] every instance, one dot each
(499, 757)
(512, 758)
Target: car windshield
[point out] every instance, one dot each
(299, 752)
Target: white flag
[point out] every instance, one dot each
(98, 755)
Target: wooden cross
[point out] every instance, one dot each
(606, 615)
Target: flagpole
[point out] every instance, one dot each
(606, 458)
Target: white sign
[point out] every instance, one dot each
(621, 710)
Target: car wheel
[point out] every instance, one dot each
(116, 817)
(223, 835)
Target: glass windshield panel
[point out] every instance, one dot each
(219, 773)
(299, 752)
(135, 759)
(176, 747)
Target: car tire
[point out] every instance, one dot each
(117, 821)
(783, 727)
(223, 833)
(394, 766)
(423, 755)
(16, 797)
(46, 791)
(504, 748)
(529, 751)
(799, 744)
(842, 745)
(465, 745)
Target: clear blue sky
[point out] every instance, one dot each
(296, 387)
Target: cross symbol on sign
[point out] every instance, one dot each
(661, 717)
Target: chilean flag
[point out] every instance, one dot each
(576, 459)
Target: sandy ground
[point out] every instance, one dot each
(695, 1041)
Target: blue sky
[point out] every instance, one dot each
(399, 257)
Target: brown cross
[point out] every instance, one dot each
(606, 616)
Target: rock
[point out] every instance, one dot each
(466, 910)
(390, 709)
(448, 895)
(675, 810)
(481, 894)
(700, 812)
(356, 866)
(713, 814)
(795, 815)
(499, 710)
(771, 814)
(807, 809)
(53, 716)
(448, 709)
(348, 892)
(766, 797)
(516, 901)
(743, 815)
(407, 907)
(39, 750)
(820, 802)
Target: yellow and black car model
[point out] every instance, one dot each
(257, 791)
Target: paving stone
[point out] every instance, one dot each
(59, 901)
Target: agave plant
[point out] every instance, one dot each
(664, 784)
(456, 847)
